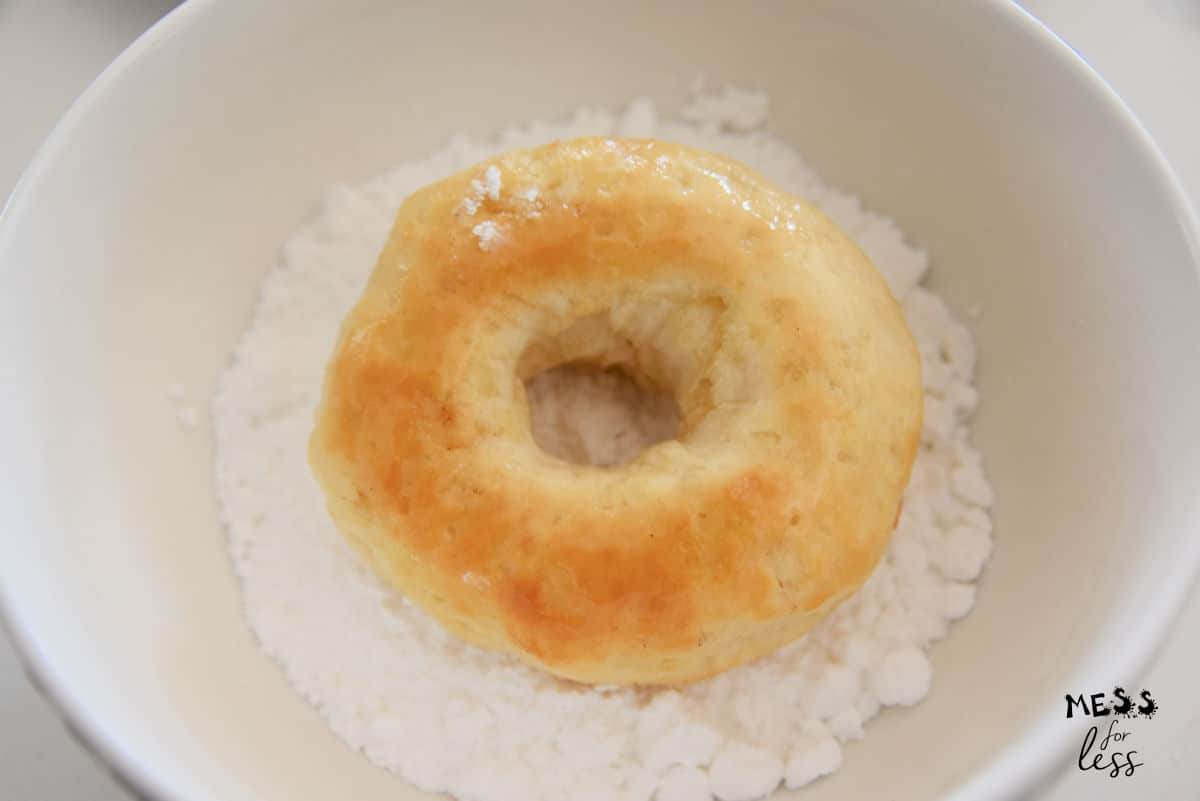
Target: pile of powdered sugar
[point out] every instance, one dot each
(449, 717)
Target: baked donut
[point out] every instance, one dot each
(796, 377)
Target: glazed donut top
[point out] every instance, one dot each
(797, 380)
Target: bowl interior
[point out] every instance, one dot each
(132, 257)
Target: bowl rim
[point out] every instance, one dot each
(1032, 754)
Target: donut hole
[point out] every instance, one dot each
(604, 382)
(587, 414)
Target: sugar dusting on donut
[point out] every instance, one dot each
(449, 717)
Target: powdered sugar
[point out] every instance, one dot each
(902, 677)
(449, 717)
(731, 108)
(812, 758)
(741, 772)
(489, 233)
(487, 186)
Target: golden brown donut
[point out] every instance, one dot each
(796, 376)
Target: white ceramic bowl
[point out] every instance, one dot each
(132, 250)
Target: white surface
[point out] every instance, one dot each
(1151, 54)
(49, 51)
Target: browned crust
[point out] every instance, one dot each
(693, 558)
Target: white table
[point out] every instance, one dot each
(1149, 50)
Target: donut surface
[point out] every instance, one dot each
(797, 380)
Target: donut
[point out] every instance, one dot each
(797, 381)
